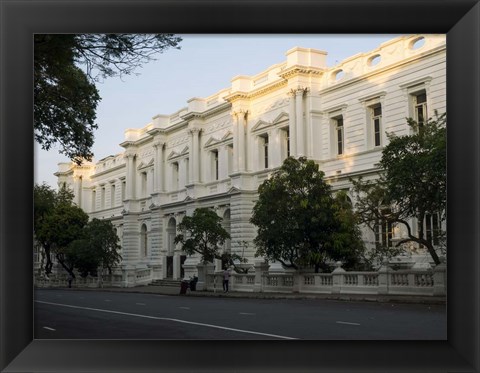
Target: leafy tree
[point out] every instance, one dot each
(299, 221)
(97, 248)
(62, 230)
(412, 185)
(59, 229)
(203, 233)
(65, 95)
(48, 202)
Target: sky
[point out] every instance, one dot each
(204, 65)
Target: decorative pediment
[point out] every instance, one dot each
(145, 164)
(188, 198)
(172, 155)
(261, 124)
(282, 117)
(184, 151)
(212, 141)
(233, 190)
(228, 135)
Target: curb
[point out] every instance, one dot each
(244, 295)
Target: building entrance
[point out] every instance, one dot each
(169, 266)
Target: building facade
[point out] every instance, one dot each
(217, 151)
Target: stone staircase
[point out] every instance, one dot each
(166, 282)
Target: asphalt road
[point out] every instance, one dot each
(73, 314)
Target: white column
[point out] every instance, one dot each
(275, 150)
(235, 143)
(299, 122)
(192, 157)
(150, 182)
(182, 173)
(158, 171)
(195, 158)
(130, 177)
(223, 162)
(309, 125)
(242, 122)
(293, 127)
(77, 182)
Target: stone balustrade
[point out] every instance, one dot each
(385, 281)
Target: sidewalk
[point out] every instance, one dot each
(174, 291)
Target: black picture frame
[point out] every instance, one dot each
(459, 19)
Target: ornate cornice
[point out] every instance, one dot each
(238, 95)
(300, 70)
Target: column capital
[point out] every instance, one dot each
(299, 91)
(240, 112)
(194, 130)
(159, 144)
(129, 155)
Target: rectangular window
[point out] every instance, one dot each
(143, 184)
(102, 203)
(94, 200)
(420, 108)
(377, 125)
(432, 228)
(175, 181)
(383, 233)
(124, 188)
(287, 143)
(112, 196)
(230, 158)
(339, 135)
(215, 164)
(265, 151)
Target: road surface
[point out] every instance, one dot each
(76, 314)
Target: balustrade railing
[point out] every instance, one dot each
(385, 281)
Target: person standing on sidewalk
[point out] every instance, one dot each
(226, 277)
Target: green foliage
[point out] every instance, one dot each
(98, 247)
(203, 234)
(413, 182)
(299, 221)
(63, 230)
(65, 96)
(50, 209)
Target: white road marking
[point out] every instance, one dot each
(184, 308)
(140, 304)
(46, 327)
(167, 319)
(347, 323)
(246, 313)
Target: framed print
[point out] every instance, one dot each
(459, 20)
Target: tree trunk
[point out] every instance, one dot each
(49, 264)
(433, 253)
(69, 270)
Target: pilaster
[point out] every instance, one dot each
(158, 167)
(292, 119)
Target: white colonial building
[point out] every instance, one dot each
(217, 151)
